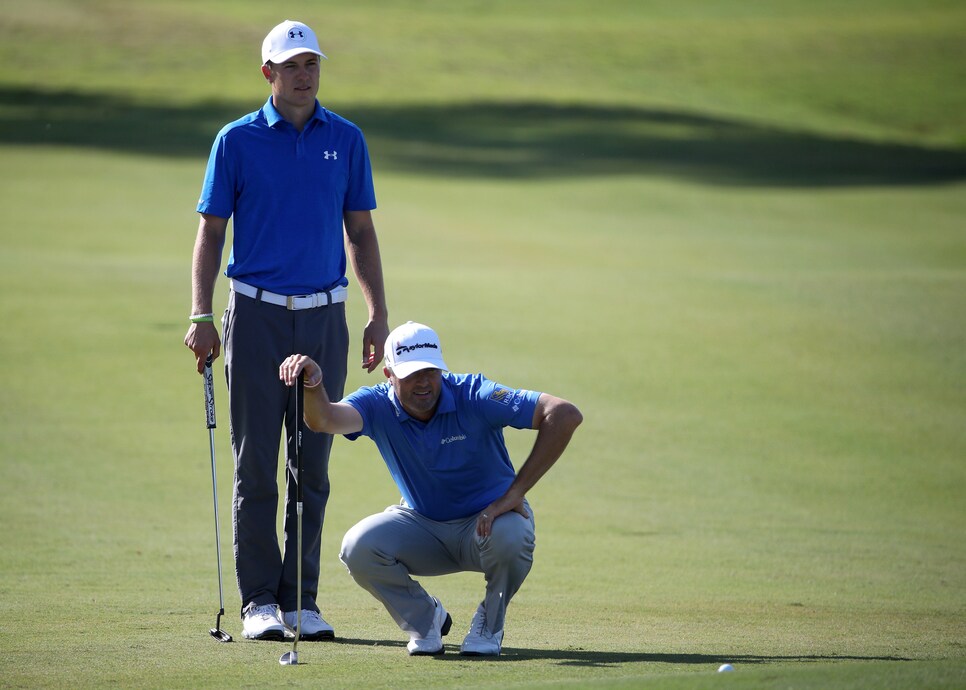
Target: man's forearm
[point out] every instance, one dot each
(363, 246)
(317, 403)
(553, 437)
(369, 274)
(205, 263)
(321, 414)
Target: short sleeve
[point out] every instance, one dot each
(503, 405)
(218, 188)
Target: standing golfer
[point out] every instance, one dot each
(464, 508)
(292, 175)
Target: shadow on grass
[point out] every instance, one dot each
(504, 140)
(585, 657)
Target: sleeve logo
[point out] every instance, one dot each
(502, 395)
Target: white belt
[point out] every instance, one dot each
(291, 302)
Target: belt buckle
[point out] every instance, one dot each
(290, 301)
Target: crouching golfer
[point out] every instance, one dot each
(464, 508)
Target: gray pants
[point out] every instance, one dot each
(257, 337)
(384, 550)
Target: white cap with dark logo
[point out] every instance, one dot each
(287, 40)
(412, 347)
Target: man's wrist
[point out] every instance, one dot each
(202, 318)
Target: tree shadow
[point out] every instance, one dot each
(513, 140)
(591, 658)
(519, 140)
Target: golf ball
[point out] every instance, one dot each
(725, 667)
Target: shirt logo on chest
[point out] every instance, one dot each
(331, 155)
(451, 439)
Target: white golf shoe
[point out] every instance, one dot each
(314, 626)
(433, 642)
(479, 641)
(265, 623)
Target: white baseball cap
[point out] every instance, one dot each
(287, 40)
(412, 347)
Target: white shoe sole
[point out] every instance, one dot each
(272, 635)
(443, 632)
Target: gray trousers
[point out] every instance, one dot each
(384, 550)
(257, 337)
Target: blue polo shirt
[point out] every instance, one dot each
(456, 464)
(286, 192)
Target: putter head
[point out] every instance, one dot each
(220, 635)
(289, 658)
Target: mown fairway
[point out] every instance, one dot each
(731, 232)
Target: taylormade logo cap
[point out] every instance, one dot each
(412, 347)
(287, 40)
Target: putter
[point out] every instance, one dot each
(216, 632)
(292, 658)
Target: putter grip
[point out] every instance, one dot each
(209, 394)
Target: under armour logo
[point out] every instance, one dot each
(296, 33)
(334, 155)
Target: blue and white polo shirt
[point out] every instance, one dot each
(456, 464)
(286, 192)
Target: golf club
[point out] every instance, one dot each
(216, 632)
(292, 658)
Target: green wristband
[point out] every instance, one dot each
(202, 318)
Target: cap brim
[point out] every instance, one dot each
(289, 54)
(404, 369)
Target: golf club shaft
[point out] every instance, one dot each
(299, 391)
(214, 493)
(211, 423)
(298, 580)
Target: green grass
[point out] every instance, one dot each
(730, 232)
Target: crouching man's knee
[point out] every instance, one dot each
(512, 538)
(357, 552)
